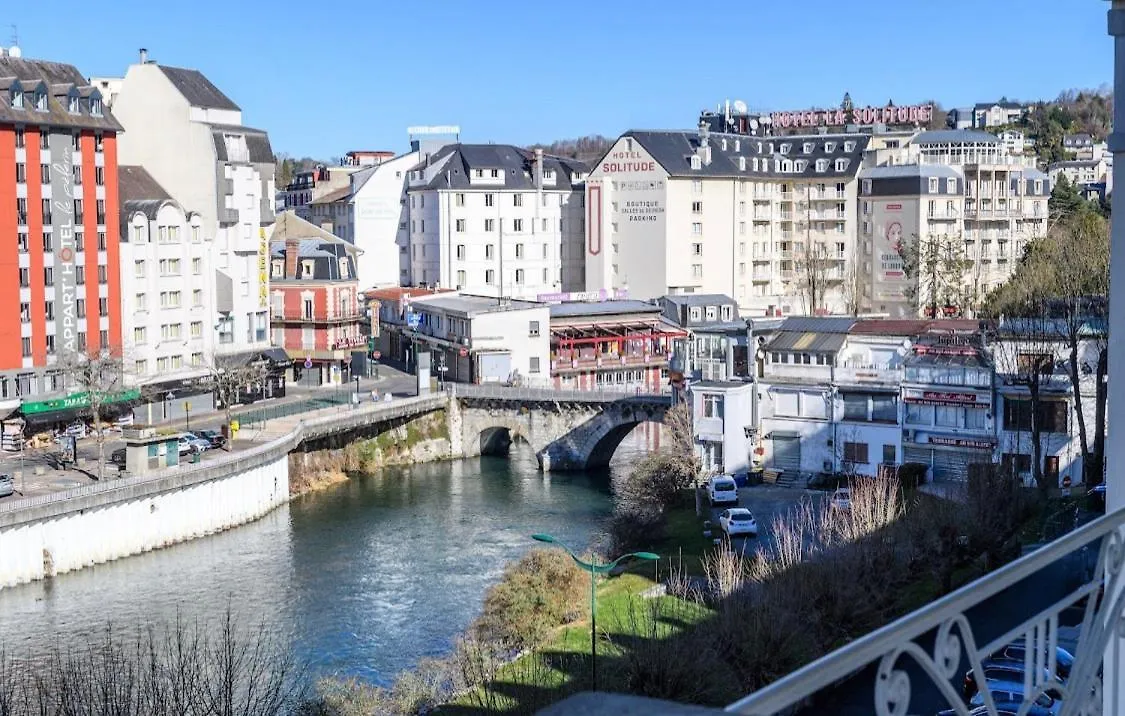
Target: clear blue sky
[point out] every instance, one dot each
(325, 77)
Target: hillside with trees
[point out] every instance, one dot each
(1074, 111)
(586, 149)
(286, 167)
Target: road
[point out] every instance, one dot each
(767, 502)
(37, 472)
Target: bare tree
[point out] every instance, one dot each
(231, 377)
(938, 269)
(98, 377)
(814, 267)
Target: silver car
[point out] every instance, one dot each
(7, 485)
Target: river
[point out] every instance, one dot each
(364, 578)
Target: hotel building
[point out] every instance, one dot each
(760, 219)
(59, 217)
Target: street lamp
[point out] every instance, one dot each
(594, 569)
(357, 388)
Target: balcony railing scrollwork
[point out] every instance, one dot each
(903, 662)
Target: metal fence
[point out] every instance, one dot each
(503, 392)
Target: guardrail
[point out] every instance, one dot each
(895, 644)
(500, 392)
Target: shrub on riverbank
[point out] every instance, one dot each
(536, 595)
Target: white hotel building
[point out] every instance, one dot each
(493, 219)
(671, 212)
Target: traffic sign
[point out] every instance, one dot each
(377, 355)
(308, 361)
(463, 352)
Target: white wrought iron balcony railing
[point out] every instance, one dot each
(921, 659)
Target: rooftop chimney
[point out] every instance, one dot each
(144, 56)
(292, 248)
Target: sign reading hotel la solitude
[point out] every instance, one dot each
(907, 114)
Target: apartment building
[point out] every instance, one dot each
(998, 114)
(676, 212)
(717, 347)
(958, 188)
(495, 220)
(314, 301)
(168, 297)
(189, 137)
(377, 217)
(1082, 171)
(59, 218)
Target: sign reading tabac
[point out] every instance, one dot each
(891, 114)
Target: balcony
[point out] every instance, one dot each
(563, 363)
(319, 318)
(708, 427)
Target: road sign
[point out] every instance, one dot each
(308, 362)
(377, 355)
(463, 352)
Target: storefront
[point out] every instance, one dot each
(948, 456)
(59, 413)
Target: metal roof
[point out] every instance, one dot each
(900, 171)
(468, 304)
(818, 324)
(955, 136)
(806, 341)
(699, 299)
(605, 308)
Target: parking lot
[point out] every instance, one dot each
(767, 502)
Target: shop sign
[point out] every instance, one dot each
(959, 442)
(76, 401)
(934, 397)
(616, 294)
(263, 269)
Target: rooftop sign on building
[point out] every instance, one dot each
(907, 114)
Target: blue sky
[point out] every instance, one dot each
(325, 77)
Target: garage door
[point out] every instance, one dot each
(919, 455)
(951, 465)
(787, 455)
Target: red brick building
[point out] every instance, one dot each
(314, 307)
(60, 290)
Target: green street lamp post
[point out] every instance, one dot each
(594, 569)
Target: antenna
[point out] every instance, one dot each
(15, 35)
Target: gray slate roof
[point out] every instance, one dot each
(955, 136)
(138, 192)
(1073, 163)
(818, 324)
(312, 242)
(257, 142)
(197, 89)
(1006, 104)
(459, 160)
(30, 74)
(605, 308)
(699, 299)
(904, 171)
(806, 341)
(673, 151)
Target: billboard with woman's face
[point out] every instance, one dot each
(893, 223)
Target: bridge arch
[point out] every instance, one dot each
(593, 443)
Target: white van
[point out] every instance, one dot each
(722, 490)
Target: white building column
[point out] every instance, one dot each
(1115, 440)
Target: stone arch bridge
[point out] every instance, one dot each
(568, 429)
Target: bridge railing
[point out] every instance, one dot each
(503, 392)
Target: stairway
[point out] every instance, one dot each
(792, 480)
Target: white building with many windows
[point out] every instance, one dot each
(675, 212)
(493, 219)
(189, 137)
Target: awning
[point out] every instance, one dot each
(277, 356)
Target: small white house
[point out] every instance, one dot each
(724, 425)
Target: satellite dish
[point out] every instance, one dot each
(753, 124)
(740, 106)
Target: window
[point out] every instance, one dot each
(517, 199)
(196, 329)
(947, 416)
(842, 165)
(933, 185)
(140, 302)
(855, 407)
(855, 453)
(919, 414)
(21, 173)
(712, 406)
(1041, 363)
(80, 307)
(697, 207)
(25, 312)
(697, 270)
(696, 162)
(47, 243)
(866, 186)
(976, 418)
(197, 266)
(890, 455)
(490, 276)
(884, 408)
(489, 199)
(25, 347)
(1052, 415)
(140, 335)
(80, 275)
(103, 274)
(1016, 462)
(461, 252)
(49, 276)
(697, 249)
(533, 328)
(459, 226)
(533, 365)
(168, 267)
(821, 165)
(519, 251)
(519, 276)
(849, 146)
(45, 173)
(20, 140)
(517, 225)
(49, 309)
(44, 141)
(460, 279)
(696, 186)
(307, 308)
(97, 138)
(697, 229)
(46, 211)
(459, 199)
(489, 224)
(489, 249)
(79, 241)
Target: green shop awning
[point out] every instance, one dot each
(76, 401)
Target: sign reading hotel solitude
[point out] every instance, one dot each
(909, 114)
(641, 197)
(263, 268)
(66, 252)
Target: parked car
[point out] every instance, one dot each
(117, 457)
(7, 485)
(722, 490)
(738, 521)
(1012, 693)
(214, 437)
(200, 444)
(996, 671)
(76, 430)
(1017, 652)
(188, 444)
(842, 499)
(1003, 708)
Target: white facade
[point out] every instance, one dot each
(168, 296)
(1014, 141)
(479, 339)
(724, 426)
(502, 230)
(377, 219)
(673, 213)
(207, 161)
(1082, 171)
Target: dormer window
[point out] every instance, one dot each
(821, 165)
(96, 106)
(849, 146)
(951, 186)
(808, 148)
(344, 271)
(17, 98)
(786, 147)
(41, 101)
(277, 268)
(829, 147)
(724, 145)
(478, 173)
(933, 185)
(696, 163)
(72, 103)
(737, 145)
(548, 173)
(842, 165)
(1038, 186)
(742, 164)
(800, 165)
(307, 268)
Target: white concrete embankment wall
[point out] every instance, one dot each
(44, 536)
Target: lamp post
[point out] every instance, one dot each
(594, 569)
(357, 389)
